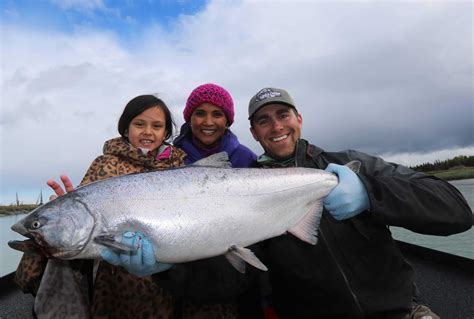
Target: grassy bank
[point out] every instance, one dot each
(16, 209)
(454, 173)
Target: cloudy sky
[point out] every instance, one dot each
(390, 78)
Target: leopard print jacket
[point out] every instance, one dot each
(117, 293)
(119, 158)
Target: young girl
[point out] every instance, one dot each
(144, 126)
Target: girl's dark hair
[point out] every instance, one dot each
(139, 104)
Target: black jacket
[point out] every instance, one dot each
(356, 270)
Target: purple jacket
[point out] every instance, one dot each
(239, 155)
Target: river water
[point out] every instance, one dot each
(9, 258)
(459, 244)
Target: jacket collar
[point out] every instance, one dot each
(229, 143)
(122, 148)
(303, 152)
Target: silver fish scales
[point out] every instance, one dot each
(187, 213)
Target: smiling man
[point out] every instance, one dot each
(355, 270)
(277, 126)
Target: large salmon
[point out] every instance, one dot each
(188, 213)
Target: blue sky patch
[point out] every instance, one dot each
(125, 18)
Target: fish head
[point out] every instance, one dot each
(61, 228)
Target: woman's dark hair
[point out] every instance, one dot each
(139, 104)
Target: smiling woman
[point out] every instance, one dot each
(209, 112)
(208, 123)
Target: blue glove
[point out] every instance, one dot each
(349, 198)
(141, 262)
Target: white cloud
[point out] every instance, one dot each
(379, 77)
(80, 5)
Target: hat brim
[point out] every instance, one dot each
(268, 103)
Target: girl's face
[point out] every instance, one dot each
(147, 130)
(208, 124)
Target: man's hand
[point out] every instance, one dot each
(58, 189)
(141, 262)
(349, 198)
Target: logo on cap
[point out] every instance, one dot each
(265, 94)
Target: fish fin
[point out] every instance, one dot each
(218, 160)
(65, 285)
(237, 255)
(26, 246)
(354, 165)
(236, 262)
(307, 228)
(110, 240)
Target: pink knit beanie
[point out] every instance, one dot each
(212, 94)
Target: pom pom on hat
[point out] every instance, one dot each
(212, 94)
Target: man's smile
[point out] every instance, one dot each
(279, 138)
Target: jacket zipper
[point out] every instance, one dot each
(356, 301)
(354, 296)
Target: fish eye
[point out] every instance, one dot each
(36, 224)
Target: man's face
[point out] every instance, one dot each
(277, 128)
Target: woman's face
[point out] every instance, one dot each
(208, 124)
(147, 130)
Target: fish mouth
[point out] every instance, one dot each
(26, 246)
(30, 246)
(20, 228)
(34, 244)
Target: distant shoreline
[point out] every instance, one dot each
(9, 210)
(454, 173)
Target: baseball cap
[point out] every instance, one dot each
(269, 96)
